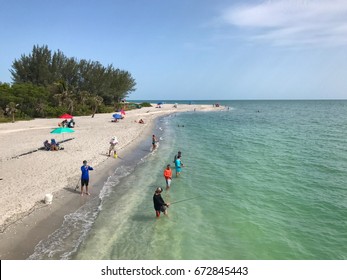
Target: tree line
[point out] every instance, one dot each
(47, 84)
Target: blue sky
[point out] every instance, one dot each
(193, 49)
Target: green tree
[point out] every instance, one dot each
(51, 82)
(11, 110)
(64, 95)
(4, 87)
(119, 84)
(7, 97)
(83, 97)
(34, 68)
(58, 62)
(32, 100)
(123, 84)
(95, 101)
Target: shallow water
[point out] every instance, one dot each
(270, 176)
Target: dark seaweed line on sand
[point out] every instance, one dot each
(39, 149)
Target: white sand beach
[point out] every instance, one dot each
(26, 179)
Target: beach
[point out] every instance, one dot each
(28, 173)
(262, 180)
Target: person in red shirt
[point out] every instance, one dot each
(168, 176)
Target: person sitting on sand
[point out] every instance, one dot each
(47, 145)
(54, 145)
(71, 123)
(159, 203)
(63, 123)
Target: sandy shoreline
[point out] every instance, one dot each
(24, 218)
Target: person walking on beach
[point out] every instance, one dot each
(154, 142)
(168, 176)
(159, 203)
(113, 143)
(178, 165)
(85, 176)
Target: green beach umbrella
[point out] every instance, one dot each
(62, 130)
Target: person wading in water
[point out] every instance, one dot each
(159, 203)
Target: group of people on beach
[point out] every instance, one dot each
(66, 123)
(52, 146)
(159, 204)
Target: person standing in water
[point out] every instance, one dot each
(154, 142)
(178, 165)
(85, 176)
(168, 176)
(178, 155)
(159, 203)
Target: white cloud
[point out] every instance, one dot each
(292, 22)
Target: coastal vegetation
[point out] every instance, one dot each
(47, 84)
(145, 104)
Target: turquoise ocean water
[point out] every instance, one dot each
(268, 180)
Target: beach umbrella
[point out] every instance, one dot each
(160, 103)
(117, 116)
(62, 130)
(66, 116)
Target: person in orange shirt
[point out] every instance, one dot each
(168, 176)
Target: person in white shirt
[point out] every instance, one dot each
(113, 143)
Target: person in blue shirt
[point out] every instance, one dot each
(54, 145)
(85, 176)
(178, 165)
(179, 154)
